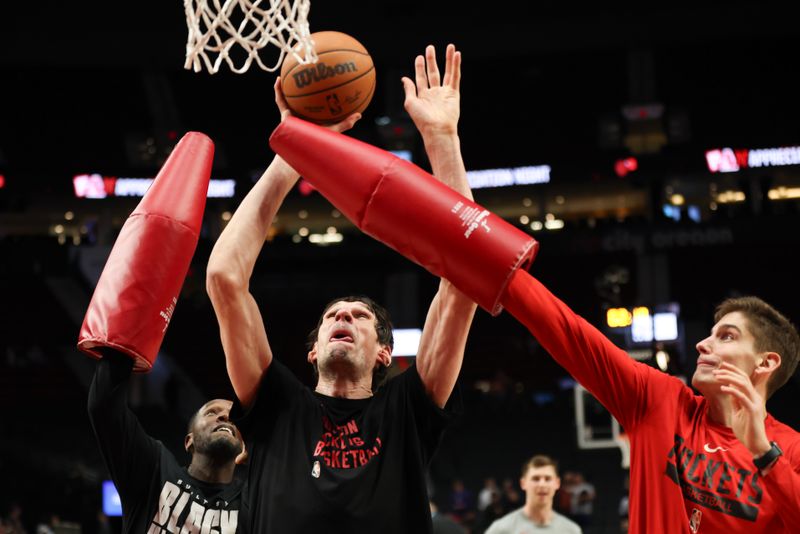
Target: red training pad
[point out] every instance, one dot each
(138, 289)
(409, 210)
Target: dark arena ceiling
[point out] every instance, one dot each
(540, 80)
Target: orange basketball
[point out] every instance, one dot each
(341, 82)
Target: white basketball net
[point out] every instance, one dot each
(217, 26)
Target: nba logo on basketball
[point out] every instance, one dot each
(694, 521)
(333, 104)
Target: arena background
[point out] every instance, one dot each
(98, 87)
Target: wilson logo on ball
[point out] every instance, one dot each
(321, 72)
(341, 82)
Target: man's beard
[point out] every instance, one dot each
(219, 448)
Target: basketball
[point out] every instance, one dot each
(341, 82)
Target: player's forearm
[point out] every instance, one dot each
(617, 381)
(238, 247)
(108, 391)
(115, 425)
(444, 337)
(444, 153)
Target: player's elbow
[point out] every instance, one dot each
(222, 283)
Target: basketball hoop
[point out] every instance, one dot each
(624, 444)
(219, 27)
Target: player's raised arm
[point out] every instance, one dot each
(433, 102)
(244, 337)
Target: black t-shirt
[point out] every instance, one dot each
(158, 495)
(333, 465)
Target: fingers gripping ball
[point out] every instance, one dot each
(340, 83)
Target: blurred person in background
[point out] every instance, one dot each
(540, 482)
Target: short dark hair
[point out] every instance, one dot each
(383, 327)
(540, 460)
(772, 332)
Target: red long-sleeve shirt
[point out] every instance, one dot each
(688, 473)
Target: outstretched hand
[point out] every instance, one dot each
(341, 126)
(749, 411)
(434, 102)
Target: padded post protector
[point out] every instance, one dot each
(409, 210)
(138, 289)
